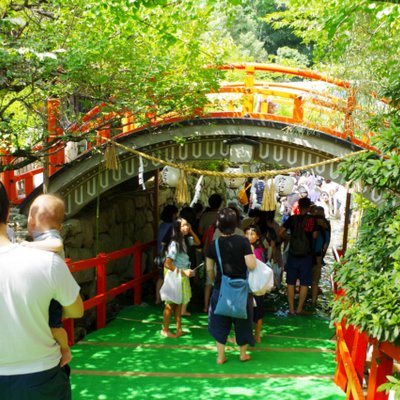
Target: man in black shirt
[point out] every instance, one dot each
(303, 232)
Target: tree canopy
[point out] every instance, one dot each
(130, 54)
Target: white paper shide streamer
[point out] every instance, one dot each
(197, 191)
(141, 171)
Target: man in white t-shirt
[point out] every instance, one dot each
(29, 355)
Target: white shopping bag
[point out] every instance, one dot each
(171, 290)
(261, 279)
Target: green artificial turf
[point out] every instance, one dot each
(145, 388)
(199, 361)
(128, 359)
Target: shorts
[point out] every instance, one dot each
(299, 268)
(259, 308)
(45, 385)
(220, 326)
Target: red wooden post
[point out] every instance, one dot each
(298, 112)
(29, 184)
(101, 275)
(69, 323)
(152, 114)
(69, 327)
(358, 355)
(137, 273)
(340, 378)
(56, 153)
(128, 122)
(381, 366)
(8, 179)
(349, 334)
(105, 133)
(248, 98)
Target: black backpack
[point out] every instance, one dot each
(299, 245)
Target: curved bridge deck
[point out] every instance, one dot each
(293, 124)
(128, 359)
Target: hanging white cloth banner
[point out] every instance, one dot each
(197, 191)
(141, 170)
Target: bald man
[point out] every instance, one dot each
(29, 355)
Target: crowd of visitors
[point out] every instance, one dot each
(293, 242)
(226, 240)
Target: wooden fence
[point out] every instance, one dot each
(100, 262)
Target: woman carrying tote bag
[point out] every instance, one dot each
(237, 258)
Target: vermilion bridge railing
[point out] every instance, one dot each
(356, 351)
(319, 102)
(104, 295)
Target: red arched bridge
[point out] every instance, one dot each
(292, 124)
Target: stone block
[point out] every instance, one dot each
(85, 276)
(117, 213)
(72, 227)
(103, 222)
(140, 201)
(74, 241)
(106, 243)
(87, 253)
(140, 219)
(88, 289)
(88, 232)
(127, 270)
(147, 233)
(117, 234)
(113, 281)
(149, 215)
(129, 231)
(127, 210)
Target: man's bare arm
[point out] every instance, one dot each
(75, 310)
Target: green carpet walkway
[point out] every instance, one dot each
(129, 359)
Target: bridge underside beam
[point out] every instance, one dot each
(274, 144)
